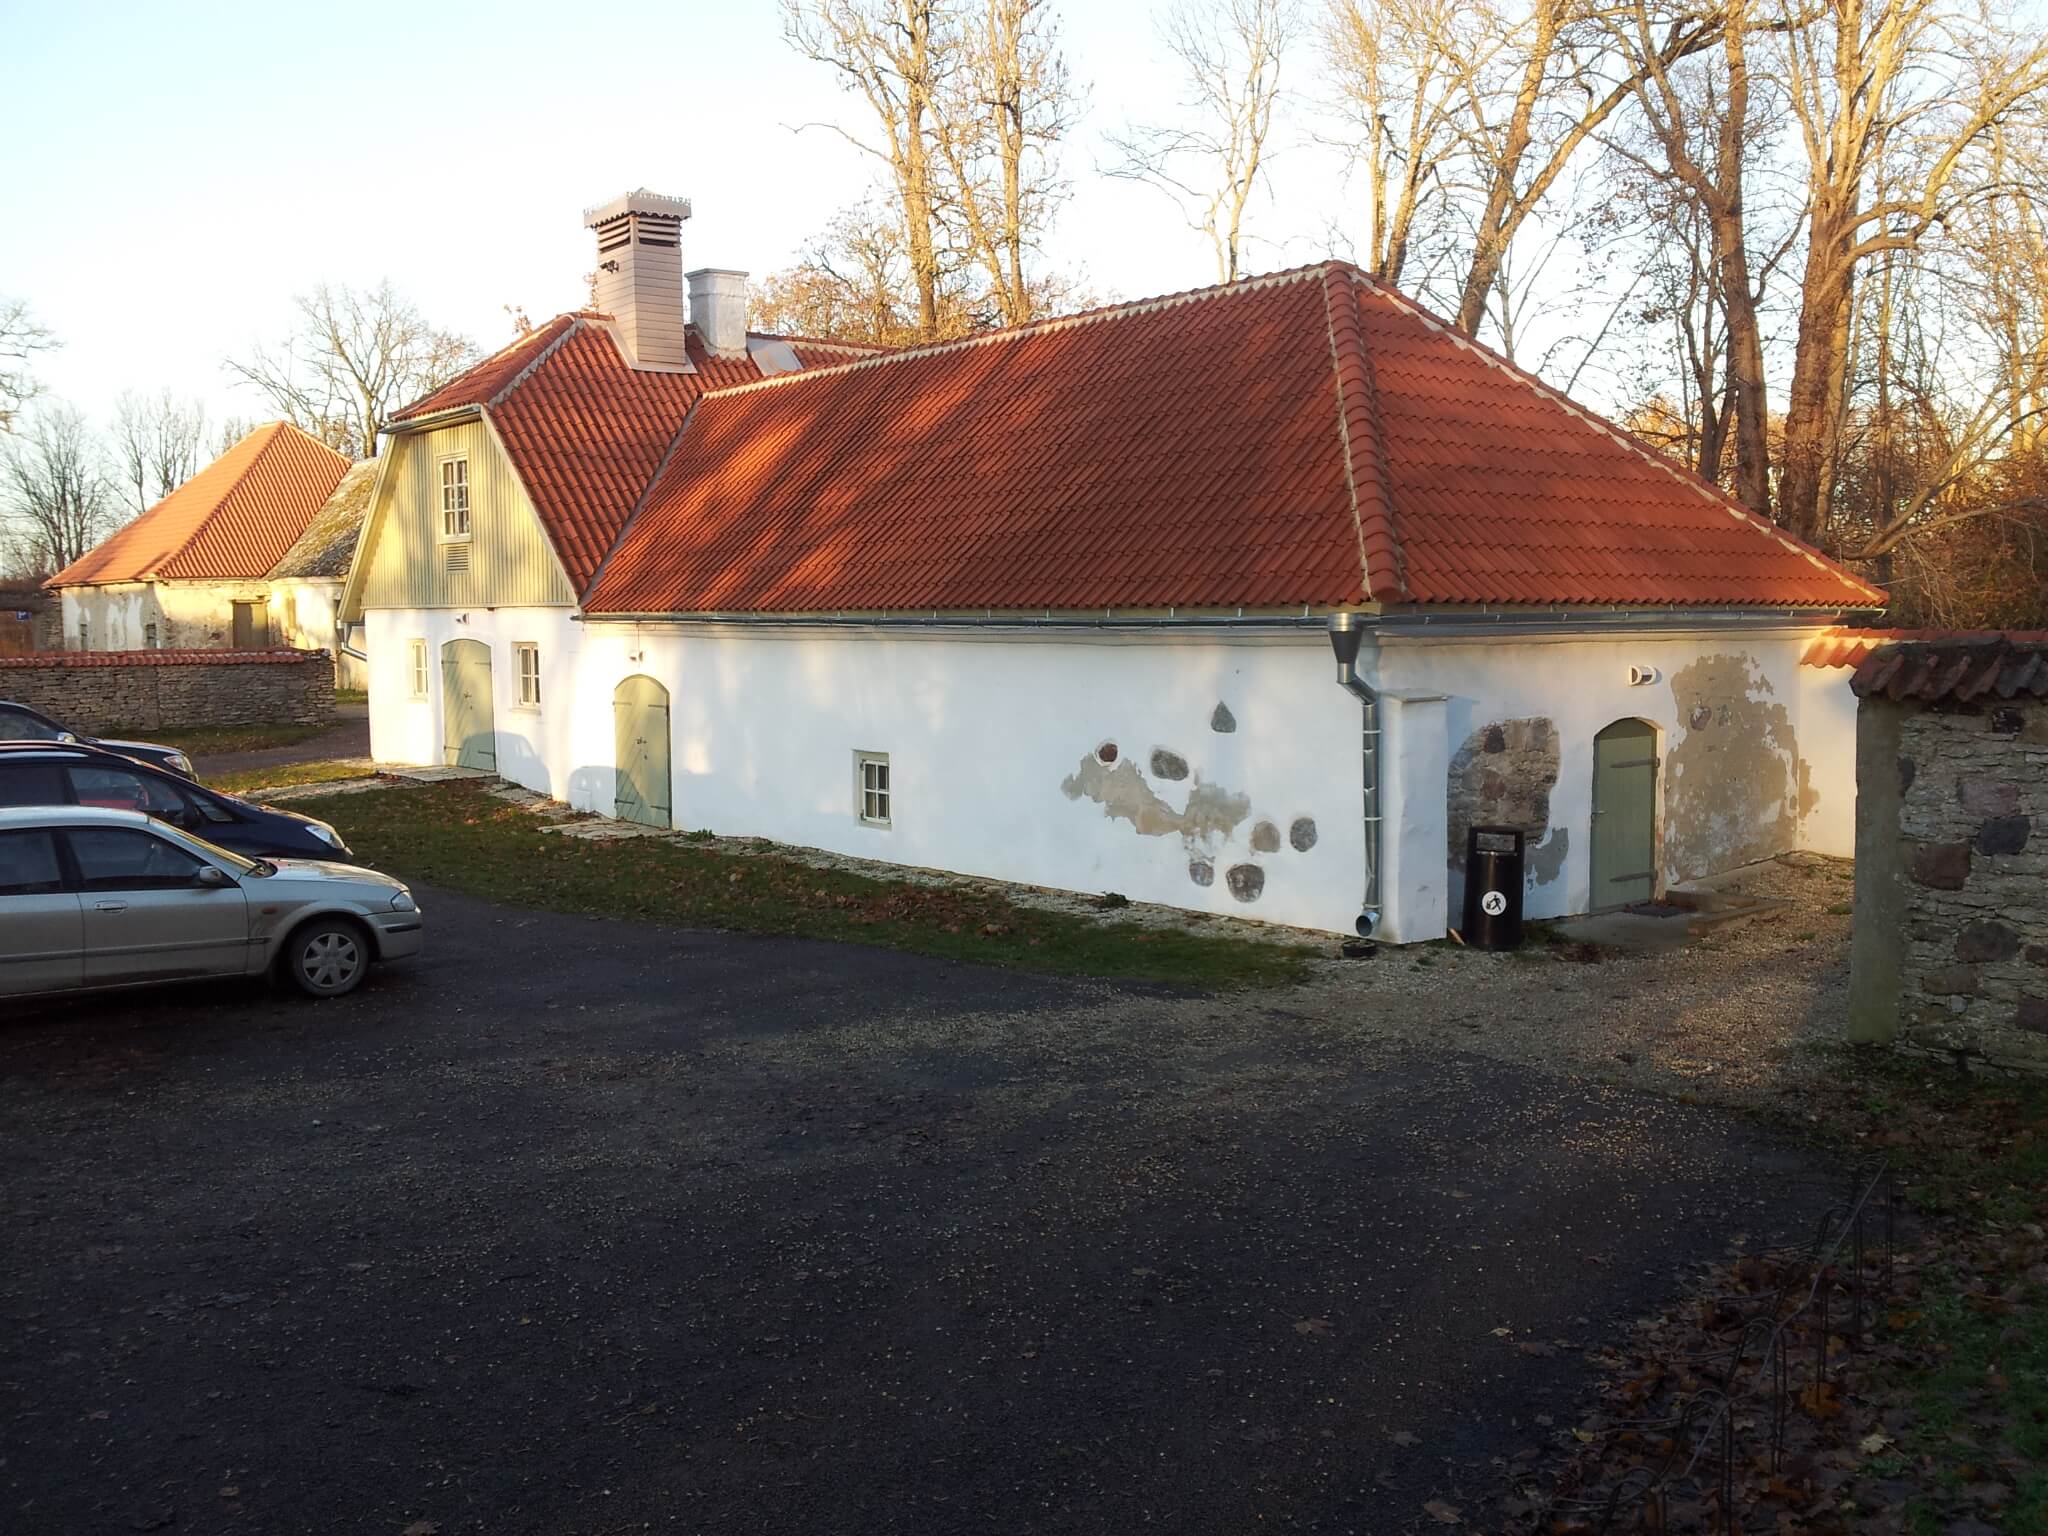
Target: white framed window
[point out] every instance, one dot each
(416, 657)
(526, 661)
(455, 498)
(871, 794)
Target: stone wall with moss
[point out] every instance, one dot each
(1972, 879)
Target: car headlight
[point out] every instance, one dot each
(403, 902)
(180, 763)
(326, 834)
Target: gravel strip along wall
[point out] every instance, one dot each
(98, 691)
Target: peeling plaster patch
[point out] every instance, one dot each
(1265, 838)
(1545, 861)
(1123, 794)
(1168, 765)
(1302, 834)
(1201, 871)
(1246, 881)
(1502, 777)
(1734, 791)
(1223, 720)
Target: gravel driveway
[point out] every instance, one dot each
(583, 1226)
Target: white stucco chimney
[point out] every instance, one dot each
(640, 275)
(718, 308)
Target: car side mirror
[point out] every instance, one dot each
(68, 738)
(210, 877)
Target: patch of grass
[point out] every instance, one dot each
(452, 834)
(1841, 908)
(214, 740)
(351, 695)
(325, 771)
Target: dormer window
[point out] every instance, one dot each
(454, 499)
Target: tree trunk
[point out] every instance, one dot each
(1738, 298)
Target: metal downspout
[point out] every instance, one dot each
(1347, 630)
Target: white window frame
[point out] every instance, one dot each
(448, 533)
(417, 675)
(521, 650)
(879, 797)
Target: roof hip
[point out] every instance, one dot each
(1364, 438)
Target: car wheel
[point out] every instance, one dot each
(327, 957)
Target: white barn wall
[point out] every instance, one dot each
(982, 734)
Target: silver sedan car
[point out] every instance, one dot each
(93, 899)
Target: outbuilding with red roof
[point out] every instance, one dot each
(1054, 604)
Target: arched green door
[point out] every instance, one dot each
(1624, 814)
(469, 739)
(640, 722)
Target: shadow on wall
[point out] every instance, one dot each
(1502, 776)
(594, 788)
(518, 763)
(1735, 787)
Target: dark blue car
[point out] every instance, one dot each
(18, 722)
(72, 773)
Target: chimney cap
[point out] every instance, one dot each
(639, 200)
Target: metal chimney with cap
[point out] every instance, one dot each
(640, 275)
(718, 308)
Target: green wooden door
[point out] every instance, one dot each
(468, 737)
(640, 724)
(1624, 814)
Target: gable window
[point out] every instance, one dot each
(455, 498)
(871, 788)
(526, 656)
(417, 656)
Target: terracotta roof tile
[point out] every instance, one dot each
(1309, 438)
(157, 658)
(1956, 670)
(234, 519)
(1848, 647)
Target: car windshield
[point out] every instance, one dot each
(234, 861)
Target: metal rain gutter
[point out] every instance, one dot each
(1347, 631)
(1269, 623)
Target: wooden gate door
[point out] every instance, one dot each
(640, 723)
(1624, 815)
(469, 738)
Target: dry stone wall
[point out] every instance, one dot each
(102, 691)
(1973, 793)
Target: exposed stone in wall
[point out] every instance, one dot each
(1168, 765)
(151, 690)
(1735, 787)
(1502, 777)
(1974, 966)
(1221, 719)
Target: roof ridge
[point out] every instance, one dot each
(1358, 429)
(541, 355)
(1039, 327)
(1709, 492)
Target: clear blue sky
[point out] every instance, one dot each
(178, 171)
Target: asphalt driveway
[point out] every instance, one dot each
(582, 1226)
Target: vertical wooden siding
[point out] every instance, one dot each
(511, 563)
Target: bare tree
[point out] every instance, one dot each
(1230, 53)
(1008, 106)
(852, 284)
(56, 491)
(231, 431)
(21, 338)
(1897, 103)
(353, 358)
(899, 56)
(158, 445)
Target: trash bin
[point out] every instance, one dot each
(1493, 887)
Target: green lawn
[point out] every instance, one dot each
(323, 771)
(455, 835)
(351, 695)
(212, 740)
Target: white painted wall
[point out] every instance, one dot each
(980, 734)
(1582, 685)
(983, 731)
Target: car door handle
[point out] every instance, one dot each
(111, 906)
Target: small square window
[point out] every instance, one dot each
(418, 668)
(455, 498)
(527, 657)
(871, 788)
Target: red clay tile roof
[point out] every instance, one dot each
(1848, 647)
(1959, 670)
(586, 431)
(159, 658)
(233, 519)
(1307, 438)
